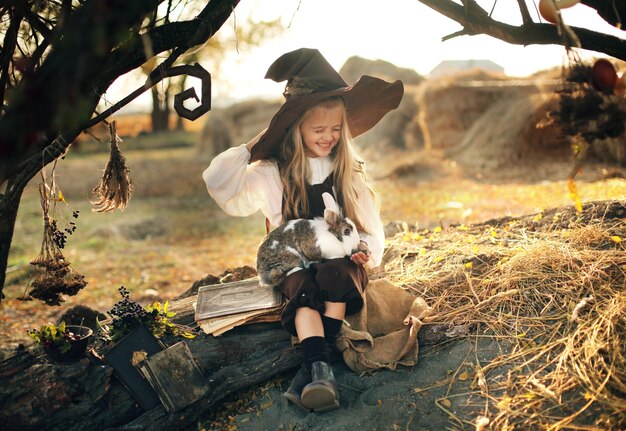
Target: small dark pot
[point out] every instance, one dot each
(77, 347)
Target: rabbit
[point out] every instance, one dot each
(298, 243)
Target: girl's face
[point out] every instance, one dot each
(321, 130)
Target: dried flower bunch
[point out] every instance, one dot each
(115, 187)
(590, 106)
(127, 314)
(57, 277)
(587, 109)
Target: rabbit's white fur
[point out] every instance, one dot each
(297, 243)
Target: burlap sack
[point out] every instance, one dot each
(384, 333)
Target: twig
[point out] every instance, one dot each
(497, 296)
(526, 19)
(294, 14)
(582, 304)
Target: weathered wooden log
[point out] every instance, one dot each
(36, 393)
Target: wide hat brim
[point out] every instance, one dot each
(367, 102)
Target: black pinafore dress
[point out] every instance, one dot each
(334, 280)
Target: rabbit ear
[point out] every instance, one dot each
(329, 202)
(331, 217)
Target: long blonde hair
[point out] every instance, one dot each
(348, 169)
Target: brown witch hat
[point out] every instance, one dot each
(311, 79)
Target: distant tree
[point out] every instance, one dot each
(59, 56)
(248, 34)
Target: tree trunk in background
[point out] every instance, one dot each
(160, 110)
(180, 125)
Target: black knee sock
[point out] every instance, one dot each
(314, 350)
(331, 329)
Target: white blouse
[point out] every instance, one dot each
(241, 189)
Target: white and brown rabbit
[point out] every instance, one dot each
(298, 243)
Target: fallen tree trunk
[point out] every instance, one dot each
(38, 394)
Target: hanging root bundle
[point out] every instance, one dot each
(56, 277)
(115, 188)
(551, 290)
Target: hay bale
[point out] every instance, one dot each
(397, 128)
(448, 107)
(216, 135)
(611, 150)
(249, 117)
(356, 66)
(510, 133)
(235, 125)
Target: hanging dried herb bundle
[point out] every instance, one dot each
(56, 277)
(586, 112)
(115, 188)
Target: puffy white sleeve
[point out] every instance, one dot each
(370, 217)
(240, 188)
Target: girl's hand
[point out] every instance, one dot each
(362, 256)
(254, 140)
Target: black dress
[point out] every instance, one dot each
(334, 280)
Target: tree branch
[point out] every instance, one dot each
(195, 70)
(8, 48)
(612, 11)
(182, 35)
(478, 22)
(526, 19)
(34, 20)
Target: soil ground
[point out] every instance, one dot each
(409, 398)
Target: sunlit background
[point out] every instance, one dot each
(403, 32)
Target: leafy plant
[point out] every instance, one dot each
(127, 315)
(54, 337)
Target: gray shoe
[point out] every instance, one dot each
(293, 392)
(321, 394)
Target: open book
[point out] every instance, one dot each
(221, 307)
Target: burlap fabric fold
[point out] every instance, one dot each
(384, 333)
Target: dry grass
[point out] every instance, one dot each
(549, 287)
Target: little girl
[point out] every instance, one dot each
(308, 150)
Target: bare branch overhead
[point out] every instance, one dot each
(476, 20)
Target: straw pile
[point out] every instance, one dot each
(551, 288)
(449, 106)
(513, 131)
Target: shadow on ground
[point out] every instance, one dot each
(408, 399)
